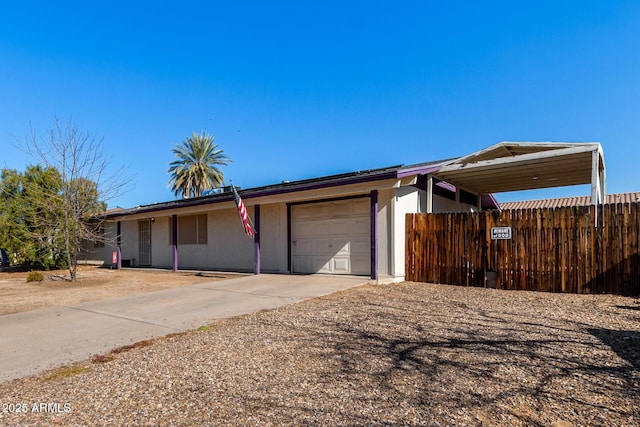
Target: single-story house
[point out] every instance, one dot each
(352, 223)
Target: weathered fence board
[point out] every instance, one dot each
(551, 250)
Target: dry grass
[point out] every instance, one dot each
(406, 354)
(65, 372)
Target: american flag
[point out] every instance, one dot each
(244, 217)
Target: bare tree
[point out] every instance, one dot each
(87, 183)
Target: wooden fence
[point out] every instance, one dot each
(585, 249)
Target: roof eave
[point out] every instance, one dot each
(271, 190)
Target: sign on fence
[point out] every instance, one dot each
(500, 233)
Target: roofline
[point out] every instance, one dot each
(579, 146)
(358, 177)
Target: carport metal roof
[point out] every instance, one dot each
(515, 166)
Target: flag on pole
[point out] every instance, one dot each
(242, 211)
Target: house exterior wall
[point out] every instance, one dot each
(273, 238)
(129, 240)
(405, 201)
(161, 250)
(227, 247)
(385, 221)
(444, 205)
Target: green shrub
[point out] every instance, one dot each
(35, 276)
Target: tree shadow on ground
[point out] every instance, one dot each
(388, 358)
(463, 360)
(626, 344)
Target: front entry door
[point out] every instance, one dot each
(144, 242)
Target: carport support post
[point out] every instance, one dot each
(374, 234)
(256, 238)
(119, 244)
(429, 193)
(174, 240)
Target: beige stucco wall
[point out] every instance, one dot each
(161, 250)
(227, 248)
(273, 238)
(385, 220)
(405, 201)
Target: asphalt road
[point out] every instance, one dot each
(39, 340)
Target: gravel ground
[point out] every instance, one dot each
(403, 354)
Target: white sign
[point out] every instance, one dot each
(500, 233)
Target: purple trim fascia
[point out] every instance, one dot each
(256, 239)
(374, 234)
(418, 170)
(446, 186)
(489, 201)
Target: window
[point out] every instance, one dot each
(192, 230)
(468, 198)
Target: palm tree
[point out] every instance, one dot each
(196, 168)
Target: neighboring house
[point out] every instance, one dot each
(570, 201)
(352, 223)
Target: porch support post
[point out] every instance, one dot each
(374, 234)
(174, 240)
(603, 185)
(598, 177)
(256, 238)
(595, 178)
(289, 262)
(429, 193)
(119, 244)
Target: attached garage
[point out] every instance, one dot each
(331, 237)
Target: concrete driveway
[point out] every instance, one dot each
(38, 340)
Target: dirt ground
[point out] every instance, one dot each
(93, 283)
(407, 354)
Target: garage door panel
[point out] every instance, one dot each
(341, 265)
(341, 248)
(339, 227)
(303, 246)
(310, 228)
(361, 226)
(360, 246)
(360, 264)
(323, 265)
(359, 206)
(327, 236)
(303, 263)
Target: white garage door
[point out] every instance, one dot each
(331, 237)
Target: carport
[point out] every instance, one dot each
(515, 166)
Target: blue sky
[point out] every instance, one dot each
(295, 90)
